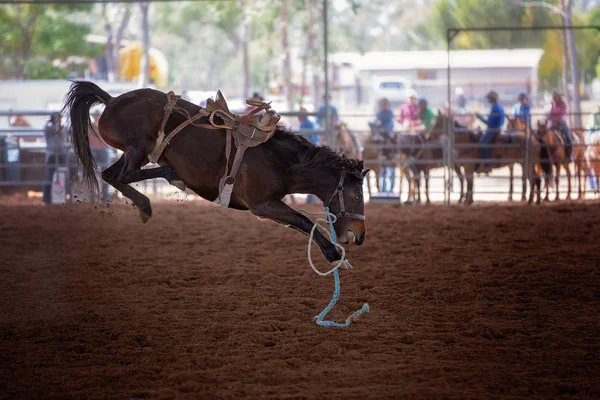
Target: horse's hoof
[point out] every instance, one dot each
(557, 198)
(179, 185)
(145, 215)
(523, 198)
(510, 198)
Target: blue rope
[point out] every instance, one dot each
(336, 292)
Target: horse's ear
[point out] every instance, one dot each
(365, 172)
(440, 113)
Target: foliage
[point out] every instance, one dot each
(35, 35)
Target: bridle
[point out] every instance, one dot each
(339, 190)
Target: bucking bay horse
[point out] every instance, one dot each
(285, 163)
(464, 139)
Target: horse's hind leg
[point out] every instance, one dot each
(557, 182)
(511, 169)
(427, 187)
(567, 168)
(524, 179)
(111, 176)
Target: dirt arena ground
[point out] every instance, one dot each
(491, 301)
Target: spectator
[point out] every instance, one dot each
(461, 100)
(558, 117)
(384, 118)
(56, 152)
(494, 123)
(593, 125)
(307, 125)
(100, 152)
(522, 110)
(409, 112)
(426, 115)
(256, 97)
(333, 113)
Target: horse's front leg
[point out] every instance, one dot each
(567, 168)
(279, 212)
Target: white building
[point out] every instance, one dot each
(508, 71)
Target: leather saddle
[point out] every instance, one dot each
(248, 130)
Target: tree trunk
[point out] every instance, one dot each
(116, 48)
(574, 63)
(144, 77)
(565, 67)
(310, 45)
(246, 60)
(287, 60)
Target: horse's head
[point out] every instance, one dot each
(542, 128)
(348, 205)
(438, 128)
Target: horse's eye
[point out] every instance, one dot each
(357, 197)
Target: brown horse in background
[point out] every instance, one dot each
(464, 139)
(558, 156)
(285, 164)
(422, 156)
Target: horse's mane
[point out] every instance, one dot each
(318, 157)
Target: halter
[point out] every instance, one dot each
(339, 191)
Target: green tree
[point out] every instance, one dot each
(33, 36)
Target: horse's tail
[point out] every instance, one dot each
(81, 97)
(545, 159)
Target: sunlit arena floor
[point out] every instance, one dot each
(488, 301)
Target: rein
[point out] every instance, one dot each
(339, 190)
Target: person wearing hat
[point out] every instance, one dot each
(409, 112)
(56, 152)
(333, 113)
(461, 100)
(522, 110)
(425, 114)
(384, 117)
(256, 97)
(494, 123)
(558, 117)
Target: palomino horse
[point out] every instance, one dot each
(592, 156)
(558, 155)
(464, 139)
(286, 163)
(422, 156)
(581, 165)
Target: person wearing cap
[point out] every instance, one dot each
(494, 123)
(307, 125)
(425, 114)
(333, 113)
(384, 117)
(409, 112)
(522, 110)
(56, 152)
(558, 117)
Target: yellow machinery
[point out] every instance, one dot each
(130, 62)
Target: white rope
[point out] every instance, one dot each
(317, 224)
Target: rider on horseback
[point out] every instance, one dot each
(494, 123)
(522, 110)
(425, 114)
(409, 112)
(558, 117)
(384, 118)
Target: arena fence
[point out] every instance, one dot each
(22, 162)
